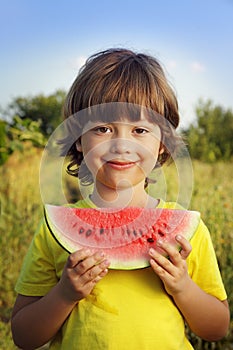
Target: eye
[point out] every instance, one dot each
(102, 129)
(140, 131)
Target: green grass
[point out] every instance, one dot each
(21, 210)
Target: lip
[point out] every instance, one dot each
(120, 165)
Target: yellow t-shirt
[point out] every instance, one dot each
(127, 310)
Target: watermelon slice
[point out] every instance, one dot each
(126, 235)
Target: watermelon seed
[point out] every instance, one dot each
(140, 232)
(150, 240)
(81, 230)
(135, 233)
(101, 230)
(160, 233)
(89, 232)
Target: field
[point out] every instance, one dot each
(21, 209)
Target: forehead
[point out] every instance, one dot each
(119, 112)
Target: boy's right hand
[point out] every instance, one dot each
(82, 271)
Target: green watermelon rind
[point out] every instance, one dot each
(119, 255)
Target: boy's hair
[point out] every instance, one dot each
(121, 75)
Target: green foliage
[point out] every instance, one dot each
(211, 137)
(29, 119)
(3, 142)
(44, 109)
(12, 138)
(27, 130)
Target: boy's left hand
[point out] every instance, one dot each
(173, 271)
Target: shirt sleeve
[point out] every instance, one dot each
(38, 274)
(202, 264)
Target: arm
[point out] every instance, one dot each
(207, 316)
(36, 320)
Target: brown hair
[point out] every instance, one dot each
(121, 75)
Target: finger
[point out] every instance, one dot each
(185, 245)
(77, 257)
(170, 251)
(161, 262)
(159, 270)
(95, 272)
(91, 261)
(89, 285)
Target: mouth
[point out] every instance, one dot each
(120, 164)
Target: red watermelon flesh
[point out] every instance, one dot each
(125, 235)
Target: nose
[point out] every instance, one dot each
(120, 146)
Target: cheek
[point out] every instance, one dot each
(151, 157)
(150, 150)
(87, 147)
(93, 155)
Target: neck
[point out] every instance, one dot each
(124, 197)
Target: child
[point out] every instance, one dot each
(76, 302)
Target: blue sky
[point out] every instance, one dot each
(43, 43)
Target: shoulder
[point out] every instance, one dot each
(202, 237)
(170, 205)
(202, 246)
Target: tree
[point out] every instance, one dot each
(210, 138)
(12, 138)
(44, 109)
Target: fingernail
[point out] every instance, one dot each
(151, 251)
(106, 262)
(178, 238)
(159, 243)
(100, 255)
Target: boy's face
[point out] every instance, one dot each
(120, 154)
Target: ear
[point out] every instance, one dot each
(78, 145)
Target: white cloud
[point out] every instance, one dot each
(197, 67)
